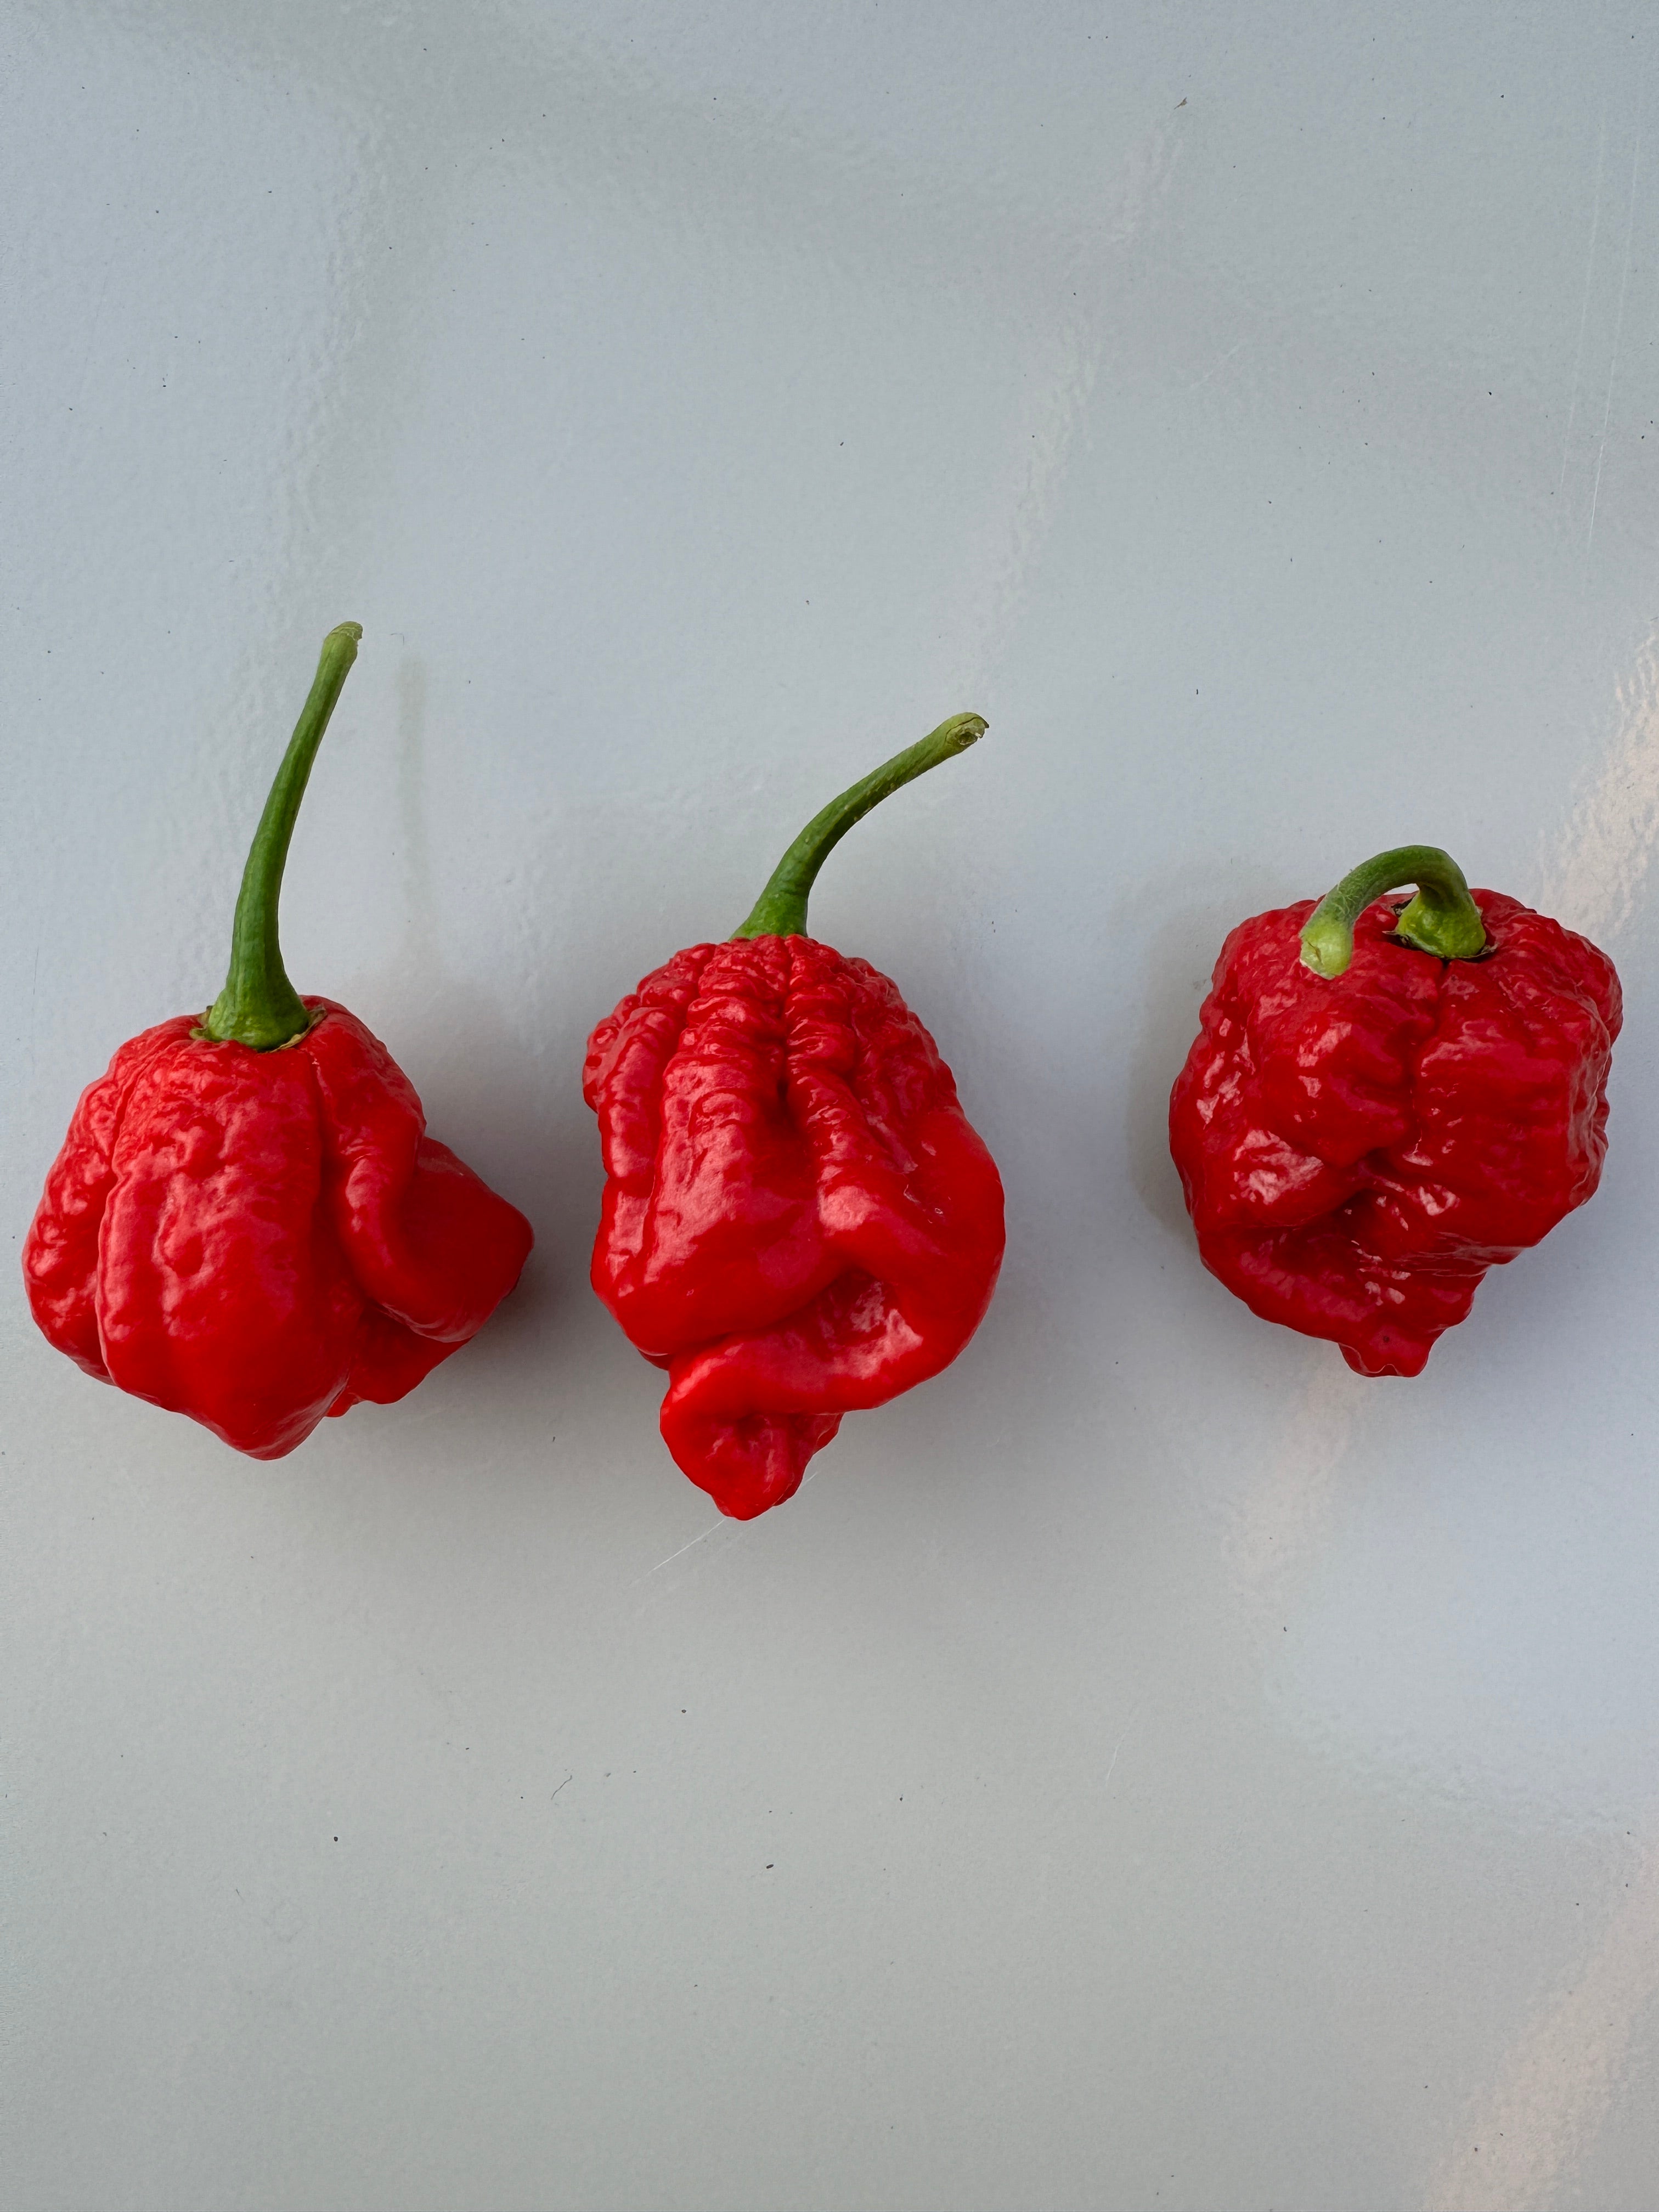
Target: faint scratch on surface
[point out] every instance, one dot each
(1215, 367)
(1613, 364)
(713, 1529)
(1560, 2079)
(1128, 1725)
(734, 1532)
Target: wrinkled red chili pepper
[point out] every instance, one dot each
(799, 1220)
(1383, 1102)
(247, 1222)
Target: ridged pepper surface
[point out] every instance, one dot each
(799, 1220)
(247, 1222)
(1385, 1100)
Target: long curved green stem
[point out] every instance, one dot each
(258, 1006)
(1442, 919)
(780, 910)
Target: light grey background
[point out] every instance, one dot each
(1150, 1765)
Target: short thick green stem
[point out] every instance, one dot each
(258, 1006)
(780, 910)
(1442, 919)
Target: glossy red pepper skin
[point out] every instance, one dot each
(799, 1220)
(258, 1239)
(1358, 1151)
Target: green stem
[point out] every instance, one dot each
(1442, 919)
(780, 910)
(258, 1006)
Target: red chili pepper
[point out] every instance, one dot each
(247, 1222)
(1383, 1102)
(799, 1220)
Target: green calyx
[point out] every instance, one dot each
(258, 1006)
(1442, 919)
(780, 910)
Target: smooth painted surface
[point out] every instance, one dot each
(1150, 1765)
